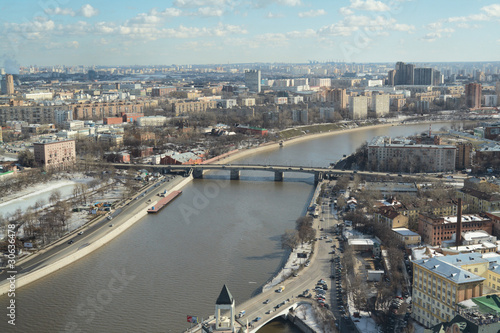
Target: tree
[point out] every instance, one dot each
(26, 158)
(289, 240)
(55, 196)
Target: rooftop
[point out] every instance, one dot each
(448, 267)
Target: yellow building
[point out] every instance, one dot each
(440, 283)
(407, 236)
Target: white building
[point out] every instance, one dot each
(295, 99)
(74, 125)
(151, 121)
(247, 101)
(227, 103)
(38, 96)
(490, 100)
(253, 80)
(380, 105)
(60, 116)
(358, 107)
(280, 100)
(317, 82)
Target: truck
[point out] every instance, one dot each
(241, 314)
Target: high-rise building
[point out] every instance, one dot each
(498, 90)
(8, 84)
(300, 116)
(358, 107)
(340, 99)
(391, 77)
(473, 95)
(253, 80)
(423, 76)
(404, 74)
(380, 105)
(464, 156)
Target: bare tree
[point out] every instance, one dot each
(290, 239)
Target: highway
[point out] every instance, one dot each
(93, 231)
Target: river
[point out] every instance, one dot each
(174, 264)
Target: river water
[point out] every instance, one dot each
(174, 263)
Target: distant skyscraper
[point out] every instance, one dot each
(340, 99)
(498, 90)
(380, 105)
(391, 77)
(8, 85)
(404, 73)
(252, 80)
(473, 95)
(423, 76)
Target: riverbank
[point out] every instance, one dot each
(276, 145)
(24, 279)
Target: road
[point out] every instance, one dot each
(93, 231)
(319, 268)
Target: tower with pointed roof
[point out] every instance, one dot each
(224, 311)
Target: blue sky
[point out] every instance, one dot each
(71, 32)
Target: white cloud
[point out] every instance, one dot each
(313, 13)
(369, 5)
(59, 11)
(274, 15)
(201, 3)
(37, 28)
(345, 11)
(432, 36)
(378, 25)
(265, 3)
(210, 11)
(492, 10)
(87, 11)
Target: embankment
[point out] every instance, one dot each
(24, 279)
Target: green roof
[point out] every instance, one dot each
(488, 303)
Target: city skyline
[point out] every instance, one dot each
(233, 31)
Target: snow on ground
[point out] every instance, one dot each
(78, 219)
(365, 323)
(291, 265)
(306, 313)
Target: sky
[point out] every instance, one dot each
(154, 32)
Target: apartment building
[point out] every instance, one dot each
(55, 154)
(192, 106)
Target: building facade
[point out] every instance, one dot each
(399, 157)
(436, 229)
(440, 283)
(55, 154)
(358, 107)
(253, 80)
(473, 93)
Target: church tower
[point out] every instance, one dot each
(224, 311)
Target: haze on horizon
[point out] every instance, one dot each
(239, 31)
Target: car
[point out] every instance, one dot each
(80, 233)
(110, 225)
(268, 311)
(257, 319)
(110, 217)
(71, 242)
(267, 301)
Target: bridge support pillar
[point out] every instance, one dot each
(318, 176)
(278, 176)
(235, 174)
(197, 173)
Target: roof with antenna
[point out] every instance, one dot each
(225, 297)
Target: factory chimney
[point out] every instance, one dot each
(458, 238)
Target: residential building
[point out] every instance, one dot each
(391, 217)
(8, 85)
(492, 132)
(226, 103)
(55, 154)
(61, 116)
(358, 107)
(480, 201)
(192, 106)
(162, 91)
(473, 93)
(280, 100)
(253, 80)
(490, 100)
(380, 104)
(300, 116)
(464, 156)
(181, 158)
(247, 101)
(404, 74)
(326, 113)
(383, 155)
(99, 110)
(435, 229)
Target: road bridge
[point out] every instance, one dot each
(197, 170)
